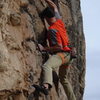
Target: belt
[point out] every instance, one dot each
(60, 51)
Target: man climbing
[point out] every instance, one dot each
(58, 45)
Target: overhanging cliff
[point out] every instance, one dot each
(20, 61)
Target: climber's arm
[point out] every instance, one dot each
(52, 5)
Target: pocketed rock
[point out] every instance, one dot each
(15, 19)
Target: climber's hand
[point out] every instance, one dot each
(73, 52)
(41, 47)
(52, 4)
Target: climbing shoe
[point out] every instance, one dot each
(41, 88)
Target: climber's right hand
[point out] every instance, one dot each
(51, 4)
(41, 47)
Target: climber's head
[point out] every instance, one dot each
(49, 15)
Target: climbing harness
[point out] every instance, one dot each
(62, 57)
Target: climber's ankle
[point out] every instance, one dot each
(46, 85)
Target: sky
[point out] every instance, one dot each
(91, 24)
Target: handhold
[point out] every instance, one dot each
(43, 3)
(24, 3)
(15, 19)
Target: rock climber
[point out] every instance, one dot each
(58, 45)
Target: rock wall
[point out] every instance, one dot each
(20, 61)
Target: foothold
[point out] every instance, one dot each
(15, 19)
(31, 90)
(24, 3)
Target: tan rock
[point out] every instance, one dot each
(20, 61)
(4, 58)
(24, 3)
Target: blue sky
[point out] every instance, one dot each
(91, 20)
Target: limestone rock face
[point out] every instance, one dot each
(20, 61)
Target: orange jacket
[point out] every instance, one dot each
(61, 35)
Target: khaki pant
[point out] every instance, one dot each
(53, 62)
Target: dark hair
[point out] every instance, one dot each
(47, 12)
